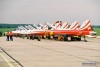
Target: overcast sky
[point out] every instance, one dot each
(41, 11)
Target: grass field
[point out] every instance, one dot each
(10, 29)
(97, 30)
(6, 29)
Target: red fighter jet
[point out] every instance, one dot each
(38, 33)
(76, 34)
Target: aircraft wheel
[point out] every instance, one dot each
(48, 37)
(27, 37)
(23, 36)
(43, 37)
(30, 37)
(72, 38)
(79, 39)
(39, 38)
(55, 38)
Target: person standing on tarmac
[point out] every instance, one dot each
(7, 35)
(11, 36)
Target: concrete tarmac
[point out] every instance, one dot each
(3, 63)
(51, 53)
(6, 61)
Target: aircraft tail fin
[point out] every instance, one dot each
(74, 25)
(57, 25)
(45, 27)
(86, 26)
(65, 25)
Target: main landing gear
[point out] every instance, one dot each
(85, 39)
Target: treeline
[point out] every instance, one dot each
(12, 25)
(94, 26)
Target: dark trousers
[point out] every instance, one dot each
(11, 38)
(7, 37)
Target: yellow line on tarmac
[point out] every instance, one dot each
(6, 60)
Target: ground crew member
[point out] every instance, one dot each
(7, 35)
(11, 36)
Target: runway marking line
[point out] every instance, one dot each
(6, 60)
